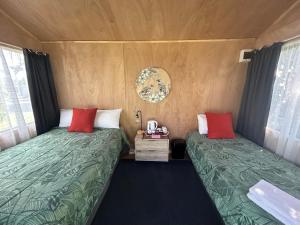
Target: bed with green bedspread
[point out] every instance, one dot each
(228, 168)
(58, 177)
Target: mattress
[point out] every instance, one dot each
(57, 177)
(228, 168)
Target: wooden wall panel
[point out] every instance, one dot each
(88, 75)
(144, 19)
(287, 26)
(204, 75)
(13, 34)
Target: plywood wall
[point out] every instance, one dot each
(205, 76)
(145, 19)
(287, 26)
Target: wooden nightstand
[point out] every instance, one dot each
(147, 149)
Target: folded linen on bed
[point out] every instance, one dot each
(278, 203)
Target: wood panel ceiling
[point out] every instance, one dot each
(52, 20)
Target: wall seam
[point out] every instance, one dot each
(149, 41)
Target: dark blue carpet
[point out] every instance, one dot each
(150, 193)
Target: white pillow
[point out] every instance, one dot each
(65, 117)
(108, 118)
(202, 123)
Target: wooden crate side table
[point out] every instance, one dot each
(147, 149)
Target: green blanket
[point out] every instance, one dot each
(58, 177)
(228, 168)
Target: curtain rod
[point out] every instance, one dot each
(36, 51)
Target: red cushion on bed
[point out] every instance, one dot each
(219, 125)
(83, 120)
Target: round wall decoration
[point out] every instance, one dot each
(153, 84)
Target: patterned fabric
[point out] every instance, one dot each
(228, 168)
(57, 178)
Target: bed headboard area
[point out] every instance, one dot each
(205, 75)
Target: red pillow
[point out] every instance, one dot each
(83, 120)
(219, 125)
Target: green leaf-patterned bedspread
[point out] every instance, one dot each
(57, 178)
(228, 168)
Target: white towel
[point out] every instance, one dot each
(278, 203)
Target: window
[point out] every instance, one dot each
(283, 128)
(16, 116)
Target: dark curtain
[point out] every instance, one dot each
(42, 90)
(256, 100)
